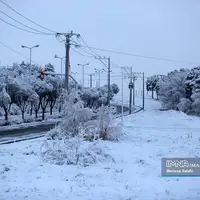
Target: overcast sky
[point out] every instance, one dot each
(158, 28)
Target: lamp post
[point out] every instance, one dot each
(30, 49)
(83, 67)
(61, 60)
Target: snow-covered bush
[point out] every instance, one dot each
(74, 115)
(76, 140)
(5, 102)
(195, 106)
(96, 97)
(14, 110)
(106, 130)
(172, 89)
(184, 105)
(74, 151)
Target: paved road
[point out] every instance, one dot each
(22, 133)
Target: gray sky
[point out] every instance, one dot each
(158, 28)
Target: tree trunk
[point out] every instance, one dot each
(23, 115)
(9, 107)
(6, 114)
(51, 110)
(43, 113)
(59, 109)
(36, 112)
(152, 94)
(31, 110)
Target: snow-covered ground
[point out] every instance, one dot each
(135, 174)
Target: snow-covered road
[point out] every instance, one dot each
(135, 174)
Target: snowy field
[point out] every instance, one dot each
(135, 174)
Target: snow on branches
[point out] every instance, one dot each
(77, 138)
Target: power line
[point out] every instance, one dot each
(26, 17)
(95, 54)
(88, 46)
(137, 55)
(22, 29)
(17, 52)
(25, 24)
(81, 53)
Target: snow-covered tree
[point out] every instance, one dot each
(172, 89)
(49, 68)
(34, 102)
(96, 97)
(152, 84)
(22, 97)
(5, 101)
(54, 94)
(43, 89)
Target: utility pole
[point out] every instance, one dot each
(108, 68)
(131, 90)
(83, 72)
(143, 90)
(67, 48)
(67, 41)
(141, 75)
(108, 81)
(122, 106)
(134, 79)
(130, 75)
(91, 79)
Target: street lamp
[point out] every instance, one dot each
(83, 66)
(30, 49)
(61, 60)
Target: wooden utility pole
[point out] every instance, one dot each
(67, 41)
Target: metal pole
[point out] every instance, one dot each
(61, 64)
(67, 45)
(30, 56)
(99, 78)
(91, 80)
(30, 64)
(143, 91)
(83, 74)
(122, 91)
(108, 81)
(133, 90)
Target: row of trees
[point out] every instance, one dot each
(178, 90)
(21, 87)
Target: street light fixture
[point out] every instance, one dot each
(61, 60)
(30, 49)
(83, 66)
